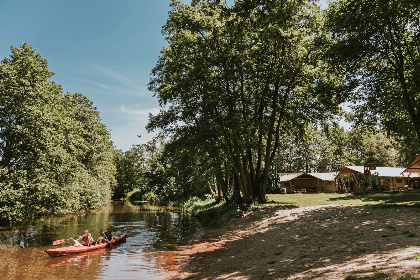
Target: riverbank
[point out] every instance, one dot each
(312, 242)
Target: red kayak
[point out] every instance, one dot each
(69, 250)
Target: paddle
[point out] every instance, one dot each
(59, 241)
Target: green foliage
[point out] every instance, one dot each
(235, 81)
(377, 43)
(330, 148)
(131, 166)
(372, 147)
(151, 196)
(56, 155)
(211, 212)
(150, 172)
(315, 150)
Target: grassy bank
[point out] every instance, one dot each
(375, 239)
(212, 212)
(379, 199)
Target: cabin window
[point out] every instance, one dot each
(399, 180)
(287, 184)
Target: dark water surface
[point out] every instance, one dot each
(149, 252)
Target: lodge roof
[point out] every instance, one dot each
(322, 176)
(414, 166)
(381, 171)
(288, 177)
(325, 176)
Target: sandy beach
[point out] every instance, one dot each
(316, 242)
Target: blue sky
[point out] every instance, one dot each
(104, 49)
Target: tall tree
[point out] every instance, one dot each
(55, 154)
(131, 170)
(333, 150)
(378, 43)
(240, 77)
(24, 86)
(372, 148)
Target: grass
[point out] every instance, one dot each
(312, 199)
(211, 212)
(381, 276)
(408, 277)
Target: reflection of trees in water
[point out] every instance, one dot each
(160, 227)
(151, 231)
(82, 260)
(170, 229)
(153, 227)
(31, 263)
(44, 231)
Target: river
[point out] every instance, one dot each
(148, 253)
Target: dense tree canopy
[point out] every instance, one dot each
(377, 43)
(55, 154)
(235, 80)
(330, 147)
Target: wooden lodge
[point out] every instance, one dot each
(413, 172)
(307, 182)
(379, 178)
(351, 177)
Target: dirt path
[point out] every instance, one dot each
(322, 242)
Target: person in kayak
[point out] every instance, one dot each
(107, 236)
(84, 240)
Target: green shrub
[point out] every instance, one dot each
(151, 196)
(211, 212)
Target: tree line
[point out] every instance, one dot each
(56, 156)
(163, 172)
(247, 91)
(239, 83)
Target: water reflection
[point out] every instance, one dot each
(153, 234)
(81, 260)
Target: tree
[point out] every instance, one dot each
(24, 86)
(131, 171)
(322, 149)
(238, 78)
(333, 150)
(55, 155)
(89, 145)
(373, 148)
(378, 44)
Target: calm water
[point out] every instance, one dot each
(149, 252)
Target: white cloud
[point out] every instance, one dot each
(124, 103)
(116, 76)
(110, 80)
(141, 112)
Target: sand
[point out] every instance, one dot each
(319, 242)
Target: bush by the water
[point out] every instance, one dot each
(210, 211)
